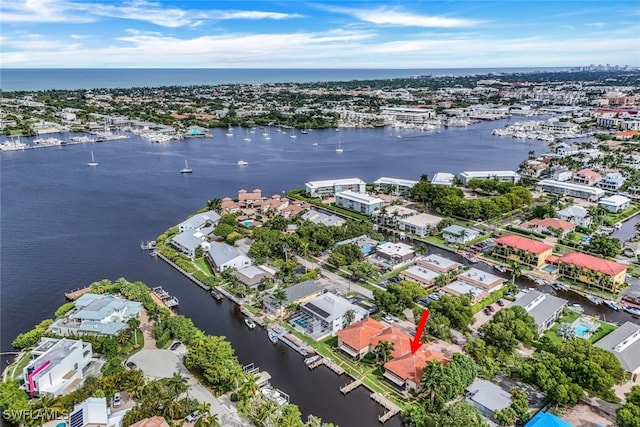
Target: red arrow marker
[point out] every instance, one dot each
(415, 343)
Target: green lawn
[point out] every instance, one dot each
(438, 241)
(17, 367)
(604, 329)
(202, 265)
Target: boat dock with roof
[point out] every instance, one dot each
(168, 300)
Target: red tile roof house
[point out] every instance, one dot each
(586, 177)
(275, 203)
(597, 272)
(549, 226)
(355, 340)
(229, 206)
(406, 371)
(522, 250)
(247, 200)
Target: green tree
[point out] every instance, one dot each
(629, 414)
(460, 414)
(383, 351)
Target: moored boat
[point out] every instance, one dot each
(612, 305)
(593, 299)
(310, 360)
(273, 335)
(577, 308)
(634, 311)
(249, 322)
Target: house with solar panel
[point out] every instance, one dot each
(57, 366)
(325, 315)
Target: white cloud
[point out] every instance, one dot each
(394, 16)
(253, 15)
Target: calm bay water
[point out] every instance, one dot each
(65, 225)
(90, 78)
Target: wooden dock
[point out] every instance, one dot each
(351, 386)
(329, 364)
(168, 300)
(77, 293)
(392, 408)
(216, 294)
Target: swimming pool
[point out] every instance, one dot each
(248, 223)
(550, 268)
(582, 331)
(301, 322)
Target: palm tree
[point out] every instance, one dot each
(204, 407)
(565, 331)
(516, 270)
(214, 205)
(210, 420)
(133, 324)
(177, 384)
(249, 387)
(383, 351)
(349, 317)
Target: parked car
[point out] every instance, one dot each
(388, 318)
(117, 401)
(131, 365)
(175, 345)
(490, 308)
(486, 311)
(193, 417)
(500, 303)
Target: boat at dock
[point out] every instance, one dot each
(311, 360)
(275, 333)
(611, 304)
(216, 294)
(249, 322)
(593, 299)
(577, 308)
(500, 268)
(634, 311)
(168, 300)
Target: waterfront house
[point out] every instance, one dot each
(249, 199)
(358, 202)
(390, 215)
(57, 366)
(600, 273)
(229, 206)
(416, 273)
(295, 294)
(222, 257)
(325, 315)
(317, 217)
(406, 371)
(488, 398)
(624, 343)
(612, 181)
(586, 177)
(275, 204)
(362, 337)
(553, 226)
(561, 173)
(575, 214)
(252, 275)
(521, 250)
(615, 203)
(395, 253)
(544, 308)
(421, 224)
(438, 263)
(475, 283)
(97, 315)
(397, 186)
(364, 242)
(330, 187)
(502, 176)
(592, 194)
(188, 241)
(457, 235)
(443, 178)
(198, 221)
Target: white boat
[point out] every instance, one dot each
(273, 335)
(310, 360)
(186, 168)
(577, 308)
(93, 162)
(612, 305)
(242, 163)
(634, 311)
(247, 138)
(304, 131)
(315, 144)
(339, 149)
(267, 137)
(293, 134)
(249, 322)
(593, 299)
(229, 131)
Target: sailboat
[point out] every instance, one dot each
(339, 149)
(229, 131)
(267, 137)
(186, 168)
(246, 138)
(93, 162)
(293, 134)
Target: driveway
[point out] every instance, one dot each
(158, 363)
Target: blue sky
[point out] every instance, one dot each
(317, 34)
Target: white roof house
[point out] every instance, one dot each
(358, 202)
(615, 203)
(198, 221)
(488, 398)
(575, 214)
(399, 185)
(330, 187)
(544, 308)
(420, 274)
(222, 257)
(188, 241)
(419, 224)
(324, 315)
(395, 252)
(624, 343)
(509, 176)
(573, 190)
(443, 178)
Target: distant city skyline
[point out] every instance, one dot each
(318, 34)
